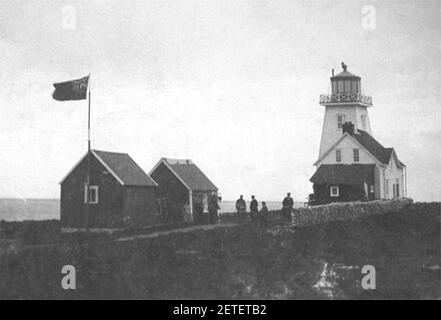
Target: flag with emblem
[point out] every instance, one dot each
(71, 90)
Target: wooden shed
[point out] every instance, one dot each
(343, 182)
(183, 189)
(121, 194)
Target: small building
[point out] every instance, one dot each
(352, 164)
(183, 190)
(121, 194)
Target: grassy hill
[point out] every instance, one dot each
(242, 262)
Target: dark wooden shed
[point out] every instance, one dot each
(182, 189)
(121, 193)
(343, 182)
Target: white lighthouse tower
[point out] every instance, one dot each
(352, 165)
(346, 103)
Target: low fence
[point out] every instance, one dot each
(345, 211)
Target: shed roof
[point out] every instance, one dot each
(188, 173)
(352, 174)
(125, 168)
(122, 167)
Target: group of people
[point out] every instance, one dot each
(261, 216)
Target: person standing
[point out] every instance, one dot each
(263, 215)
(254, 208)
(241, 208)
(288, 204)
(213, 208)
(199, 211)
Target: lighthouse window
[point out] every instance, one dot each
(363, 121)
(340, 120)
(338, 155)
(334, 192)
(348, 86)
(356, 155)
(334, 86)
(341, 86)
(355, 86)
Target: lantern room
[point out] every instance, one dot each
(345, 89)
(345, 82)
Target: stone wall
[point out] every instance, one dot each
(346, 211)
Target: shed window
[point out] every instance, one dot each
(205, 202)
(356, 155)
(334, 191)
(92, 194)
(338, 155)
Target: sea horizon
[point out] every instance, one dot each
(21, 209)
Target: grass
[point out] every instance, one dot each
(243, 262)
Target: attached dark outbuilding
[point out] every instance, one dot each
(343, 182)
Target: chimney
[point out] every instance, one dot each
(348, 127)
(187, 161)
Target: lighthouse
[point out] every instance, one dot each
(352, 165)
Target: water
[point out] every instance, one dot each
(29, 209)
(47, 209)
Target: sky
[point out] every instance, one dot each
(232, 85)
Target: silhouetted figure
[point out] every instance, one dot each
(254, 208)
(288, 204)
(264, 215)
(199, 211)
(241, 208)
(213, 208)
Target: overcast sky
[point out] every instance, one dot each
(232, 85)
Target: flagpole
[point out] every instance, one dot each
(88, 116)
(88, 157)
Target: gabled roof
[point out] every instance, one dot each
(373, 146)
(350, 174)
(188, 173)
(122, 167)
(376, 149)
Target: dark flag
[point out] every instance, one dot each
(71, 90)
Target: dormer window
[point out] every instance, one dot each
(340, 120)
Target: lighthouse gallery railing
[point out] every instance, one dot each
(345, 97)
